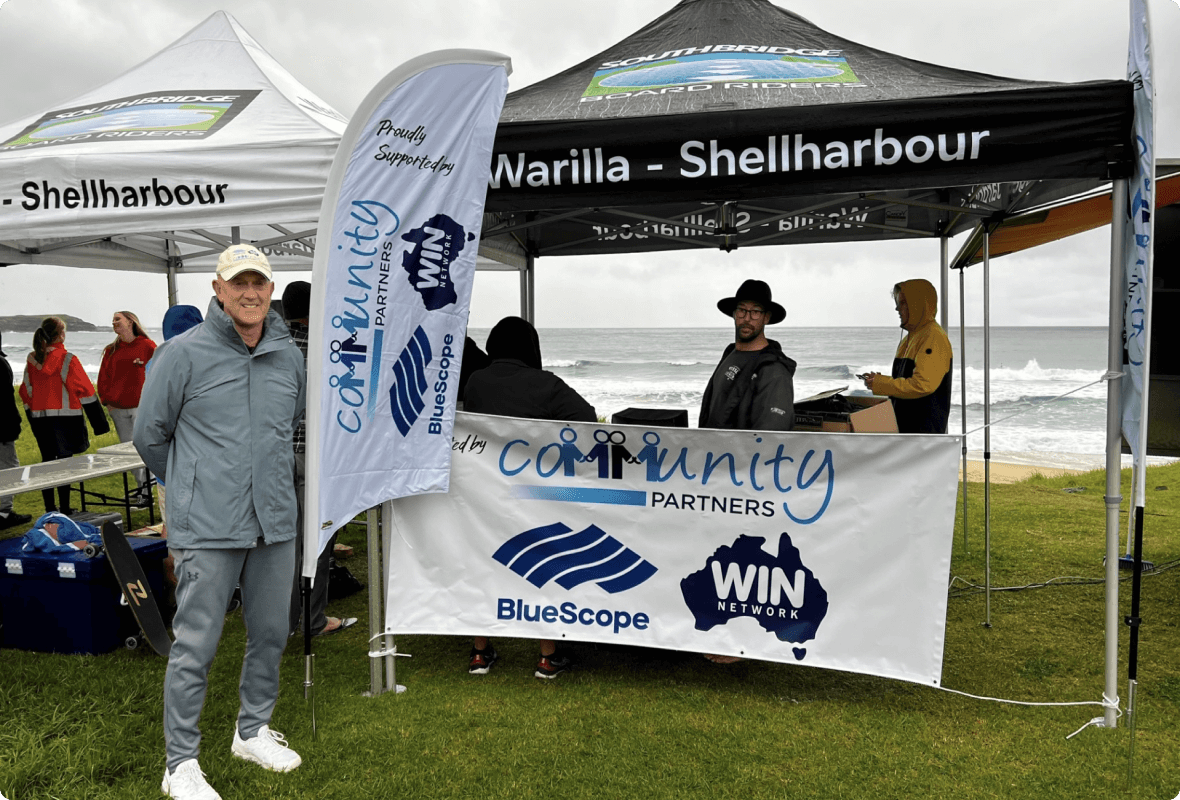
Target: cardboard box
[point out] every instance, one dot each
(66, 602)
(831, 411)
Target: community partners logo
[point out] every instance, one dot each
(154, 115)
(569, 559)
(743, 580)
(437, 244)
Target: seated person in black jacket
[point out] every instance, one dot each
(514, 385)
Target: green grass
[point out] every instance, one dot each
(631, 723)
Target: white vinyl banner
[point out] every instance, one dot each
(391, 284)
(828, 550)
(1137, 247)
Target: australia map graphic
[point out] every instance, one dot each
(438, 243)
(743, 580)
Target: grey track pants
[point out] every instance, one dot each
(205, 583)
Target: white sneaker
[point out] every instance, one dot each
(269, 748)
(187, 782)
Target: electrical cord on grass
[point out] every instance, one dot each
(975, 588)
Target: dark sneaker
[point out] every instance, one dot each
(10, 519)
(482, 660)
(549, 667)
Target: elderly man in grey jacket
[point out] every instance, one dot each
(215, 422)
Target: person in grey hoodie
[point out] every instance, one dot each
(216, 420)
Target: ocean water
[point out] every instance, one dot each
(618, 368)
(669, 367)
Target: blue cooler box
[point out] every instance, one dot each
(68, 603)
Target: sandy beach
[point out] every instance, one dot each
(1011, 473)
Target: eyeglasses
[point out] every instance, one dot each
(752, 313)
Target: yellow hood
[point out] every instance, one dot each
(922, 300)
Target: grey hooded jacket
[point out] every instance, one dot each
(215, 423)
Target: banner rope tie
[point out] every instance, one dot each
(1105, 702)
(389, 651)
(393, 524)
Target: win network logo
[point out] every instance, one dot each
(409, 382)
(437, 245)
(553, 552)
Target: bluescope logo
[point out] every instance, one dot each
(438, 243)
(406, 395)
(553, 553)
(556, 553)
(734, 66)
(409, 382)
(156, 115)
(743, 580)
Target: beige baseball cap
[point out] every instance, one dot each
(238, 258)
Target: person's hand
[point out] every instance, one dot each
(50, 529)
(138, 362)
(869, 379)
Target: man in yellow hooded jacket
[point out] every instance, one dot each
(920, 386)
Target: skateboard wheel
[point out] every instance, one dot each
(91, 550)
(131, 642)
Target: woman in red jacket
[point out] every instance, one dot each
(56, 392)
(120, 380)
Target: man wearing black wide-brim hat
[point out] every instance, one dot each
(753, 386)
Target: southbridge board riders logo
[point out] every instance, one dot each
(732, 66)
(153, 116)
(569, 559)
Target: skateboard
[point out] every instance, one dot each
(134, 584)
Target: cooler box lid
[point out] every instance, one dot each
(16, 564)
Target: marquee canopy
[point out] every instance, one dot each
(723, 123)
(209, 133)
(1078, 215)
(209, 141)
(728, 123)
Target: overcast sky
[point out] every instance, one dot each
(53, 50)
